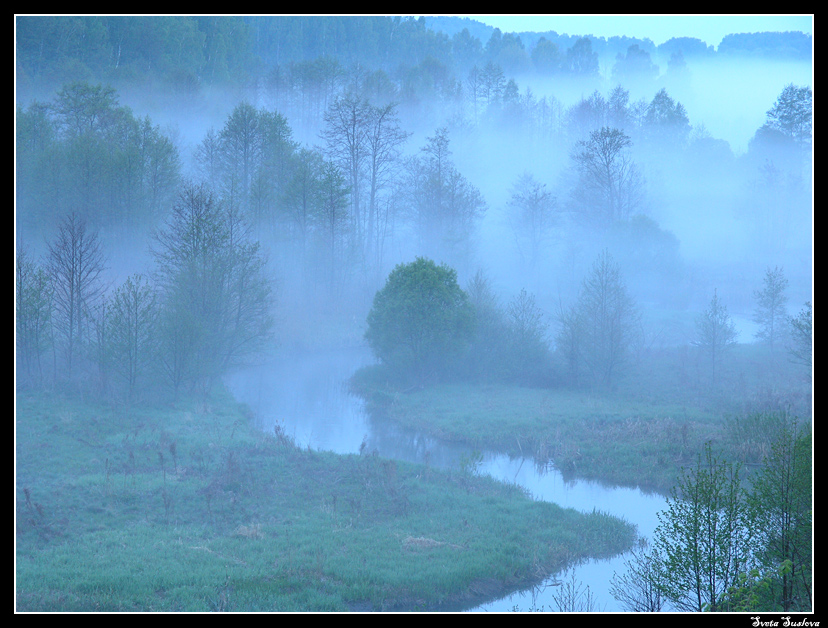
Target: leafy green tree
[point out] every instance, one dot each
(771, 311)
(421, 323)
(666, 121)
(705, 538)
(715, 335)
(581, 60)
(546, 57)
(781, 500)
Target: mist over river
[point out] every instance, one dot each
(307, 394)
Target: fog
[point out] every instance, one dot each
(701, 195)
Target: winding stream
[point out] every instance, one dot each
(307, 395)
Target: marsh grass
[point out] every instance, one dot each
(185, 509)
(640, 434)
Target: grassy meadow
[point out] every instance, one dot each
(190, 508)
(640, 433)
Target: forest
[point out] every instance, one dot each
(581, 247)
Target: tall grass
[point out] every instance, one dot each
(188, 508)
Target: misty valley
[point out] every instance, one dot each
(394, 314)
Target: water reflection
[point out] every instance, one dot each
(307, 395)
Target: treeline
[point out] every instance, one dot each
(205, 305)
(186, 53)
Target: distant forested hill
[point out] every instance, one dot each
(188, 52)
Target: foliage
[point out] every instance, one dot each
(132, 316)
(781, 500)
(420, 323)
(705, 537)
(84, 153)
(215, 294)
(532, 215)
(443, 205)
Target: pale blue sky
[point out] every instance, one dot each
(659, 28)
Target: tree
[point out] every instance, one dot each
(609, 185)
(639, 588)
(581, 60)
(792, 114)
(420, 323)
(715, 334)
(385, 139)
(33, 305)
(801, 331)
(527, 359)
(607, 321)
(346, 140)
(75, 263)
(132, 313)
(634, 66)
(771, 311)
(443, 205)
(705, 537)
(782, 507)
(215, 295)
(546, 57)
(532, 209)
(666, 120)
(332, 217)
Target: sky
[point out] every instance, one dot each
(659, 28)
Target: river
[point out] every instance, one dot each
(307, 395)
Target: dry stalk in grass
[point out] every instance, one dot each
(421, 542)
(253, 531)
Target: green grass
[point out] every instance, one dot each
(641, 433)
(189, 508)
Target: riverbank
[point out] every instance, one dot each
(584, 435)
(191, 508)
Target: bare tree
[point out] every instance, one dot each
(33, 304)
(639, 588)
(132, 315)
(608, 320)
(610, 186)
(75, 264)
(715, 334)
(214, 292)
(532, 215)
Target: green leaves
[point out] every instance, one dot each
(420, 322)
